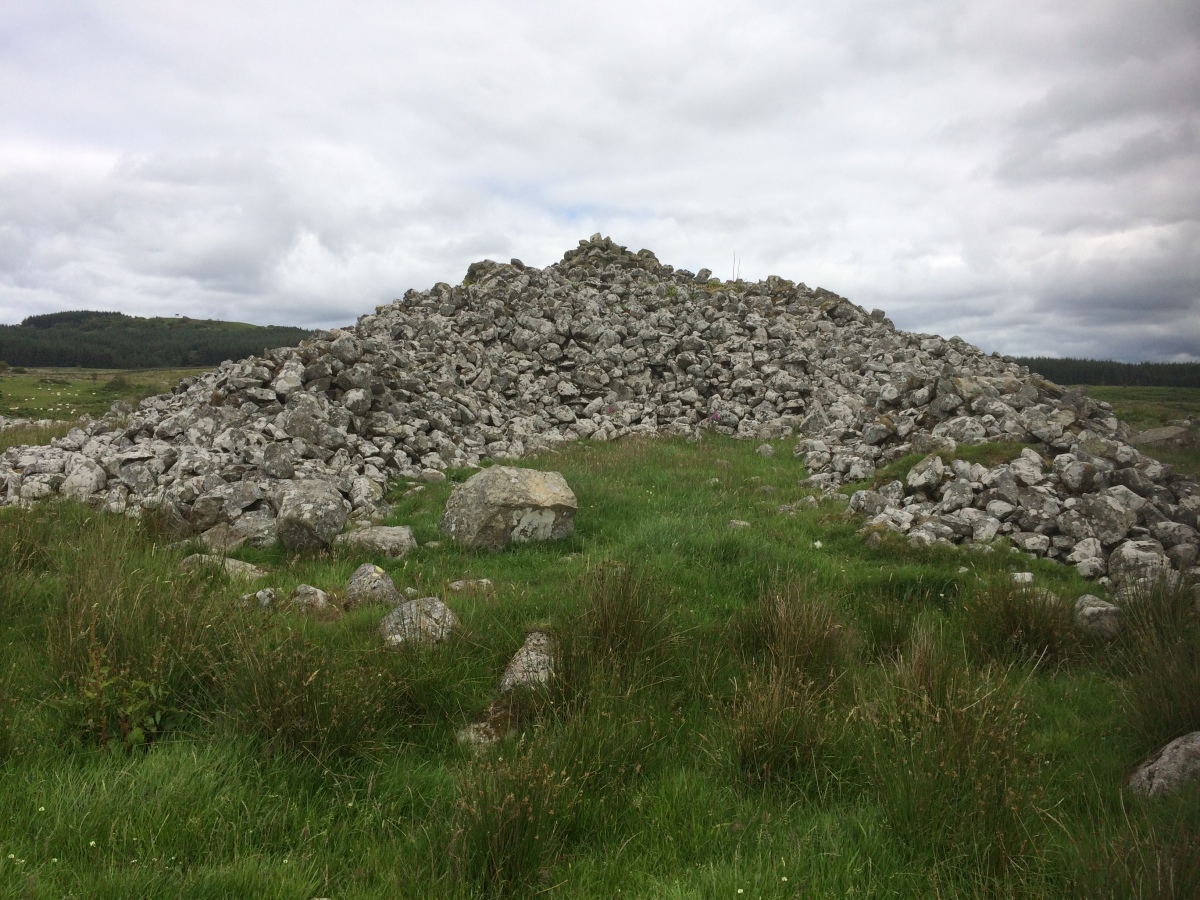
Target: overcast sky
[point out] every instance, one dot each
(1023, 174)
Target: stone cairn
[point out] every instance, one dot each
(607, 343)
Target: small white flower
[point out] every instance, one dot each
(817, 544)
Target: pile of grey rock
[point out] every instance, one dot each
(1099, 505)
(294, 444)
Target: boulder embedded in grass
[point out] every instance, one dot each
(371, 584)
(1098, 617)
(426, 620)
(395, 541)
(1170, 769)
(234, 568)
(503, 505)
(531, 665)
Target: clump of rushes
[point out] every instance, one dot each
(301, 695)
(510, 814)
(1159, 650)
(952, 762)
(787, 630)
(567, 780)
(8, 718)
(1012, 623)
(138, 640)
(622, 629)
(779, 730)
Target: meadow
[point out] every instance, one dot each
(775, 710)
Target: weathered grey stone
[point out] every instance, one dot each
(531, 665)
(307, 598)
(1098, 617)
(1109, 519)
(263, 599)
(1136, 565)
(395, 541)
(86, 478)
(311, 515)
(279, 461)
(371, 584)
(234, 568)
(1171, 768)
(425, 620)
(926, 475)
(503, 505)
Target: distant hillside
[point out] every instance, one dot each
(112, 340)
(1105, 371)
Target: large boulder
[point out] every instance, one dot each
(311, 514)
(1098, 617)
(503, 505)
(1170, 768)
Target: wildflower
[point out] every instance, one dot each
(91, 843)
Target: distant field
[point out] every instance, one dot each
(1152, 407)
(66, 394)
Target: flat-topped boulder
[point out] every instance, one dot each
(504, 505)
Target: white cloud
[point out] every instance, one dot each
(1023, 174)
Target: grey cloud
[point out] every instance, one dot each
(1025, 174)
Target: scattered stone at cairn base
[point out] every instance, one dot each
(371, 584)
(256, 529)
(311, 514)
(393, 541)
(307, 598)
(424, 620)
(531, 665)
(1170, 769)
(1098, 617)
(504, 505)
(234, 568)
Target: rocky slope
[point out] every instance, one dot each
(608, 343)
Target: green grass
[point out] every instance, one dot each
(1151, 407)
(735, 709)
(67, 394)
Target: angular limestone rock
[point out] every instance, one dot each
(503, 505)
(311, 515)
(531, 665)
(1098, 617)
(1172, 767)
(394, 541)
(371, 584)
(425, 620)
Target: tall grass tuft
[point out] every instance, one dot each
(622, 628)
(1011, 623)
(787, 630)
(299, 694)
(1160, 652)
(567, 782)
(952, 762)
(779, 731)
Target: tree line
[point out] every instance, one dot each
(1106, 371)
(113, 340)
